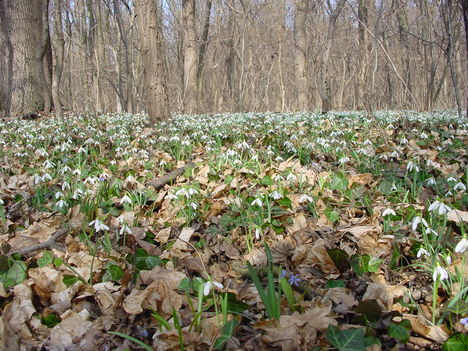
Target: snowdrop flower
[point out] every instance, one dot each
(424, 135)
(344, 160)
(182, 192)
(77, 172)
(276, 195)
(162, 163)
(429, 230)
(60, 204)
(448, 194)
(171, 197)
(77, 194)
(291, 177)
(130, 179)
(46, 177)
(388, 212)
(65, 169)
(1, 202)
(257, 202)
(412, 165)
(192, 191)
(404, 141)
(416, 221)
(439, 273)
(440, 207)
(448, 259)
(459, 187)
(305, 198)
(65, 186)
(422, 251)
(461, 246)
(98, 225)
(193, 205)
(125, 199)
(58, 194)
(48, 164)
(451, 179)
(125, 229)
(258, 233)
(209, 284)
(431, 181)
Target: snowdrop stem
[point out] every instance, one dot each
(434, 299)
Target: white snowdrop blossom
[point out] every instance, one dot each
(257, 202)
(61, 204)
(276, 195)
(77, 172)
(125, 229)
(388, 212)
(305, 198)
(291, 177)
(130, 179)
(431, 181)
(422, 251)
(451, 179)
(461, 246)
(126, 199)
(98, 225)
(258, 233)
(439, 273)
(65, 186)
(193, 205)
(58, 194)
(416, 221)
(209, 284)
(48, 164)
(171, 197)
(459, 187)
(192, 191)
(412, 165)
(440, 207)
(182, 192)
(77, 194)
(1, 202)
(344, 160)
(46, 177)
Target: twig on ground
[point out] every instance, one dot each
(170, 177)
(50, 243)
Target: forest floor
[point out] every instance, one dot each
(252, 231)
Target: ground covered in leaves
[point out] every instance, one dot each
(240, 231)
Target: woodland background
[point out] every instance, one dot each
(232, 55)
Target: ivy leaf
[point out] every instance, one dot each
(399, 331)
(46, 259)
(352, 339)
(16, 274)
(340, 259)
(69, 280)
(226, 334)
(457, 342)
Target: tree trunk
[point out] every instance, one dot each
(325, 83)
(153, 60)
(203, 47)
(363, 57)
(190, 57)
(300, 48)
(59, 44)
(6, 61)
(402, 18)
(464, 5)
(22, 31)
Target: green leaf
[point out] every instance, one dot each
(399, 332)
(285, 202)
(338, 283)
(332, 215)
(16, 274)
(226, 334)
(370, 309)
(234, 305)
(4, 263)
(115, 272)
(46, 259)
(364, 264)
(338, 183)
(457, 342)
(266, 181)
(131, 338)
(340, 259)
(69, 280)
(57, 262)
(51, 320)
(352, 339)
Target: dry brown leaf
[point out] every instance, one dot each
(71, 329)
(315, 255)
(184, 237)
(361, 179)
(299, 223)
(423, 327)
(458, 216)
(342, 297)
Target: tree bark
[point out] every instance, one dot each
(6, 61)
(300, 48)
(153, 60)
(325, 83)
(203, 48)
(59, 44)
(464, 6)
(22, 31)
(190, 57)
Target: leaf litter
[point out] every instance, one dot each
(125, 235)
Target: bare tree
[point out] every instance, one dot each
(58, 46)
(190, 57)
(464, 6)
(300, 48)
(149, 27)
